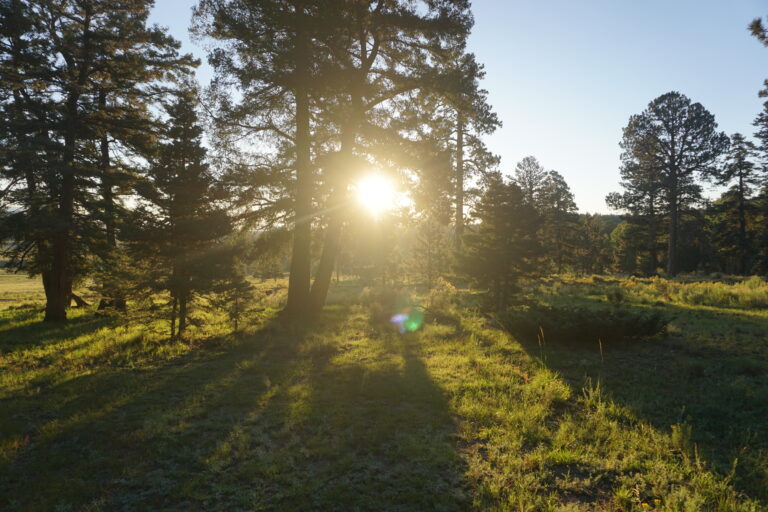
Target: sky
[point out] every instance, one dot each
(564, 76)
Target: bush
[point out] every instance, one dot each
(582, 325)
(441, 297)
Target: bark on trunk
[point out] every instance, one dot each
(652, 246)
(331, 248)
(59, 281)
(743, 249)
(673, 225)
(114, 299)
(57, 284)
(332, 241)
(459, 182)
(182, 315)
(173, 317)
(299, 277)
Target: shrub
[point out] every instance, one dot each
(441, 297)
(580, 324)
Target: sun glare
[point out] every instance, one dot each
(376, 194)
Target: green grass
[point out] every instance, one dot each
(18, 288)
(347, 414)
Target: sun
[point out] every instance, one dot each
(376, 193)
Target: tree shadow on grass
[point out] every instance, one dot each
(701, 374)
(307, 418)
(22, 328)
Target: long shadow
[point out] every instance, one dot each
(379, 435)
(84, 435)
(31, 333)
(354, 424)
(697, 375)
(291, 418)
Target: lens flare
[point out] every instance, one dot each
(408, 320)
(376, 194)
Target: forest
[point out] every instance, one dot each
(309, 284)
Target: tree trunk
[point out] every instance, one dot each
(182, 315)
(59, 281)
(743, 249)
(299, 276)
(113, 298)
(332, 241)
(331, 248)
(673, 224)
(459, 181)
(57, 284)
(173, 317)
(429, 261)
(652, 246)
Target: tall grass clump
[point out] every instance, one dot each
(748, 293)
(441, 298)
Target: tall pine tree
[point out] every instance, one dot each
(178, 230)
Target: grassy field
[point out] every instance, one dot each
(16, 289)
(348, 414)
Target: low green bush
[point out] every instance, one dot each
(573, 324)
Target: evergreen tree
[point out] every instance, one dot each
(232, 294)
(72, 55)
(761, 231)
(391, 48)
(530, 177)
(741, 172)
(761, 203)
(456, 113)
(593, 244)
(627, 246)
(502, 247)
(267, 50)
(678, 140)
(179, 229)
(559, 220)
(643, 200)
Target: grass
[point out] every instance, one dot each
(347, 414)
(18, 288)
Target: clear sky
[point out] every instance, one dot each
(565, 75)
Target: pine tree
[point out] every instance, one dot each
(557, 208)
(679, 140)
(741, 172)
(593, 245)
(431, 252)
(530, 176)
(72, 55)
(502, 247)
(267, 48)
(643, 200)
(392, 46)
(336, 70)
(761, 202)
(457, 114)
(627, 246)
(179, 229)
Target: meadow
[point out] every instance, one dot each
(349, 414)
